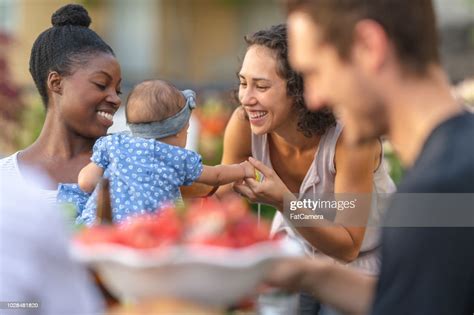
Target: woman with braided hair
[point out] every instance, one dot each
(78, 78)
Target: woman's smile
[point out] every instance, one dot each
(257, 117)
(105, 118)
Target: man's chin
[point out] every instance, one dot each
(316, 107)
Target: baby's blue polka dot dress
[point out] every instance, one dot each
(144, 174)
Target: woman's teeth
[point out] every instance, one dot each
(257, 115)
(106, 115)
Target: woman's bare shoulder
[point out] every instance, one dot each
(237, 138)
(358, 155)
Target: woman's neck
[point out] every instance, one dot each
(292, 141)
(58, 142)
(58, 152)
(292, 145)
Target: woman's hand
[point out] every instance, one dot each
(270, 191)
(248, 169)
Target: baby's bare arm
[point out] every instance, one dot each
(225, 174)
(89, 177)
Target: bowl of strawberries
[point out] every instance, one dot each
(211, 252)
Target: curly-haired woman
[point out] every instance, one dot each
(303, 153)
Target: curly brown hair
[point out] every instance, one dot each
(275, 38)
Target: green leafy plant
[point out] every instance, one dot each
(30, 125)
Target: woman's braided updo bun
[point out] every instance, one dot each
(63, 47)
(71, 14)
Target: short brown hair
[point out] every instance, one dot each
(410, 24)
(153, 100)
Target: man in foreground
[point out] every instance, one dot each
(376, 62)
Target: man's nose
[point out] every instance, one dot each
(314, 100)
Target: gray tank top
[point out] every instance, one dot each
(320, 179)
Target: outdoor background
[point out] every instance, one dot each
(193, 43)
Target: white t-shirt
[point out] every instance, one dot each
(9, 168)
(35, 265)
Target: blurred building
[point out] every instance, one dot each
(190, 42)
(196, 43)
(193, 43)
(456, 21)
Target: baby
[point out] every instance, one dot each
(147, 167)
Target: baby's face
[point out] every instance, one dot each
(183, 136)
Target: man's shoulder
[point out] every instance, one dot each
(446, 163)
(440, 261)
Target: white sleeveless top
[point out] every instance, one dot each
(9, 168)
(320, 179)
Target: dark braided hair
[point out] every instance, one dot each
(275, 38)
(64, 46)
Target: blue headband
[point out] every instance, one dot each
(169, 126)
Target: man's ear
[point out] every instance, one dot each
(55, 82)
(371, 45)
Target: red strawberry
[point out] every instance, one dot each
(98, 234)
(235, 207)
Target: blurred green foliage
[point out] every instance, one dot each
(395, 166)
(30, 124)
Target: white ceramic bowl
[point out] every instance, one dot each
(204, 274)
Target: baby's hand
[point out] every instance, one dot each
(249, 170)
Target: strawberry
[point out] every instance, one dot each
(226, 223)
(98, 234)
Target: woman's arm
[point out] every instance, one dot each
(355, 166)
(342, 238)
(345, 289)
(237, 143)
(89, 177)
